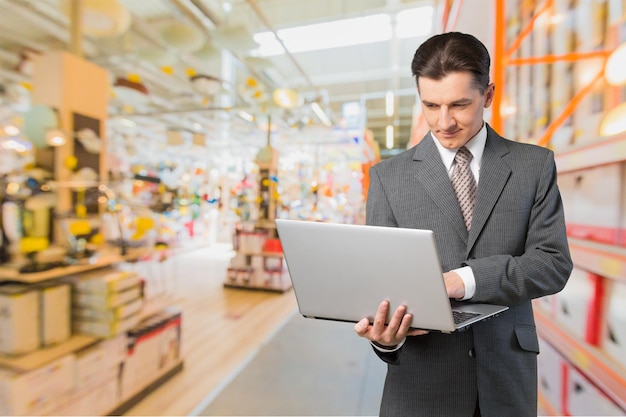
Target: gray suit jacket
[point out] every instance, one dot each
(517, 249)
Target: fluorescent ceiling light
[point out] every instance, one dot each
(347, 32)
(415, 22)
(320, 114)
(389, 137)
(389, 103)
(246, 116)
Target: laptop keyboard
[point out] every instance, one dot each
(461, 316)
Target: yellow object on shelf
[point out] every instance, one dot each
(33, 244)
(80, 227)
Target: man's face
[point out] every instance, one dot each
(453, 107)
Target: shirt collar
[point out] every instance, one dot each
(475, 145)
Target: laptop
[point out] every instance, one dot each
(342, 272)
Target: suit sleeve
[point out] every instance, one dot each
(378, 211)
(545, 265)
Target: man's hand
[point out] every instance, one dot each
(454, 285)
(391, 334)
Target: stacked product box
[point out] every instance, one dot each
(55, 313)
(39, 391)
(153, 349)
(105, 304)
(32, 316)
(96, 376)
(19, 319)
(578, 305)
(613, 333)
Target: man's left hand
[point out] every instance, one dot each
(454, 285)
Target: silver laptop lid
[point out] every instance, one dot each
(343, 271)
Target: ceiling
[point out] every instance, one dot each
(330, 77)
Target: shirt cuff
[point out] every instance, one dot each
(467, 276)
(390, 349)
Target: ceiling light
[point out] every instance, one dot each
(235, 38)
(287, 98)
(389, 103)
(206, 85)
(414, 22)
(389, 137)
(346, 32)
(131, 91)
(614, 67)
(320, 114)
(55, 137)
(11, 130)
(183, 37)
(102, 19)
(246, 116)
(614, 122)
(208, 52)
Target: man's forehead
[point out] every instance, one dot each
(447, 90)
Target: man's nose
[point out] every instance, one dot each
(445, 119)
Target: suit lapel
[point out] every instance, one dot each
(432, 174)
(494, 174)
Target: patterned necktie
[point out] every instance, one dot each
(464, 184)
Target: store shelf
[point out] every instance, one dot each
(607, 374)
(605, 151)
(144, 392)
(606, 260)
(46, 355)
(544, 405)
(285, 287)
(8, 273)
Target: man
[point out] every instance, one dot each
(508, 249)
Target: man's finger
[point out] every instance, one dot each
(381, 316)
(361, 327)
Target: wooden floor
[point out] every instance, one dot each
(222, 328)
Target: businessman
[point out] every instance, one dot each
(497, 216)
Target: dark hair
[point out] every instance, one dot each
(451, 52)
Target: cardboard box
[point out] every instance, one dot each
(94, 365)
(55, 316)
(594, 204)
(583, 398)
(116, 348)
(550, 365)
(548, 305)
(574, 301)
(39, 391)
(19, 321)
(613, 339)
(103, 301)
(106, 282)
(92, 400)
(154, 347)
(109, 315)
(105, 329)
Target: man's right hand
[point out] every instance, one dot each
(391, 334)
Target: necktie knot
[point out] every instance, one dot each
(463, 155)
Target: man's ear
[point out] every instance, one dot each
(489, 93)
